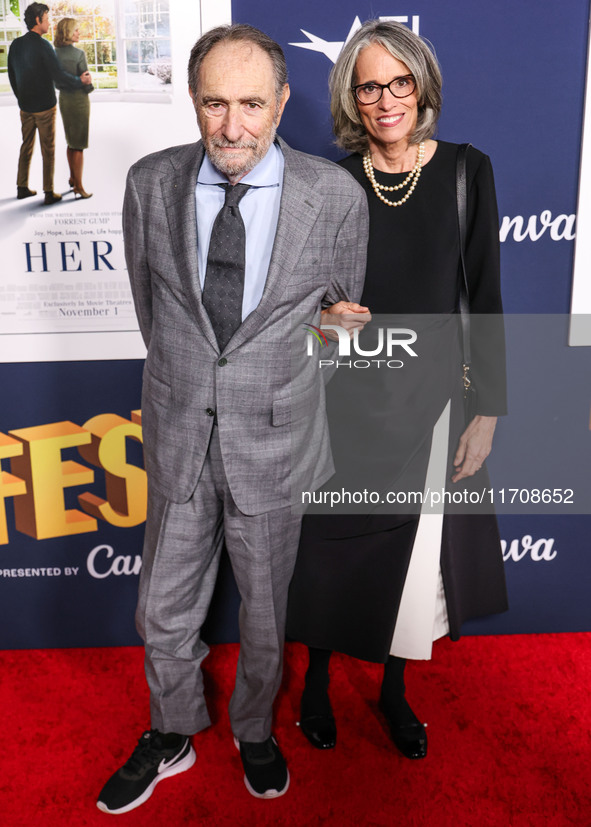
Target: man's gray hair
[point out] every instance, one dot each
(405, 46)
(237, 33)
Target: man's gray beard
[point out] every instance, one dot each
(233, 169)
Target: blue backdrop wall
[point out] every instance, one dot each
(513, 86)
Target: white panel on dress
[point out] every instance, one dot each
(422, 616)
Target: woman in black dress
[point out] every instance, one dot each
(382, 587)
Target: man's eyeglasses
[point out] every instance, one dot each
(400, 87)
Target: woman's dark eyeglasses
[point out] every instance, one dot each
(400, 87)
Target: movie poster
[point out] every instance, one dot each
(72, 482)
(64, 291)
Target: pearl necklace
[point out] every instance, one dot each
(412, 178)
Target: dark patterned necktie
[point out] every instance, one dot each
(223, 289)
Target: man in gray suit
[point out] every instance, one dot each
(228, 423)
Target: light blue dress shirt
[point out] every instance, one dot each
(259, 209)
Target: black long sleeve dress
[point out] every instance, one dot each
(351, 567)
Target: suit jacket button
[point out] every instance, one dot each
(223, 361)
(210, 411)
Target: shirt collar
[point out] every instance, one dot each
(265, 174)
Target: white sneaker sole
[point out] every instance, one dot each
(268, 793)
(182, 766)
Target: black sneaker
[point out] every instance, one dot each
(150, 762)
(265, 770)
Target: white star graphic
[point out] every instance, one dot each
(330, 48)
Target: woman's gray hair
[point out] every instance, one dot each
(404, 45)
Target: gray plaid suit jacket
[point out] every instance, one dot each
(271, 429)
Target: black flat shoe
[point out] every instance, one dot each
(409, 736)
(410, 739)
(316, 719)
(320, 730)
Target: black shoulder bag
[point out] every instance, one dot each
(470, 395)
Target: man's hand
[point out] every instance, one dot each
(86, 78)
(474, 446)
(348, 315)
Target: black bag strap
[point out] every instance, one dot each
(462, 205)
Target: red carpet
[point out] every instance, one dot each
(509, 741)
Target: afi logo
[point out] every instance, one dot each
(332, 48)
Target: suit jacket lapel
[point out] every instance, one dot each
(178, 193)
(298, 212)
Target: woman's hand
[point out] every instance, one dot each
(474, 446)
(348, 315)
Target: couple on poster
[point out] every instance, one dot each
(229, 243)
(34, 70)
